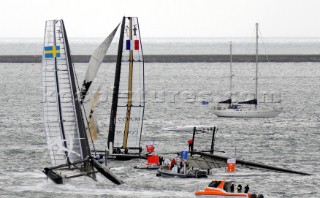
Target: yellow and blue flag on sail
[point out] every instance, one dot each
(51, 51)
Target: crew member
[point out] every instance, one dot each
(173, 162)
(246, 189)
(239, 188)
(161, 160)
(232, 188)
(190, 143)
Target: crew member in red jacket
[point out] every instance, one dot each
(190, 143)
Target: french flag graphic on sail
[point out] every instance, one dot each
(132, 44)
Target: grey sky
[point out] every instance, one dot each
(164, 18)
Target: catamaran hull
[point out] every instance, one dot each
(104, 170)
(56, 178)
(167, 173)
(120, 156)
(188, 128)
(124, 157)
(246, 113)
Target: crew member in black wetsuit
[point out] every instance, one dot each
(246, 189)
(161, 160)
(232, 188)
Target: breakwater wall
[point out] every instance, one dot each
(174, 58)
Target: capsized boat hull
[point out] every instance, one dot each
(121, 156)
(147, 166)
(124, 157)
(250, 113)
(169, 173)
(104, 170)
(188, 128)
(56, 178)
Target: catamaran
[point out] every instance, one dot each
(128, 99)
(64, 121)
(239, 111)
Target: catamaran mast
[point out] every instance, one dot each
(230, 73)
(58, 95)
(257, 38)
(128, 114)
(112, 125)
(85, 148)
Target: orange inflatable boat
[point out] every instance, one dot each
(225, 189)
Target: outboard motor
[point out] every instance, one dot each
(260, 196)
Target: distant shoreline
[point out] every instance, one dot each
(175, 58)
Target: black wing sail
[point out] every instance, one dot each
(114, 105)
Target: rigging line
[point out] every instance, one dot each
(253, 40)
(141, 72)
(139, 38)
(264, 48)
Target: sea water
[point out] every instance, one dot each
(290, 140)
(173, 46)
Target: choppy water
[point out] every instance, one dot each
(291, 140)
(164, 46)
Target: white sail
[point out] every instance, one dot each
(128, 118)
(59, 105)
(95, 62)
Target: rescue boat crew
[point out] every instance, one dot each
(246, 189)
(239, 188)
(232, 188)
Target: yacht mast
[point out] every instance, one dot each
(230, 72)
(257, 37)
(126, 131)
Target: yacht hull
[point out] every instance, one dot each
(236, 113)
